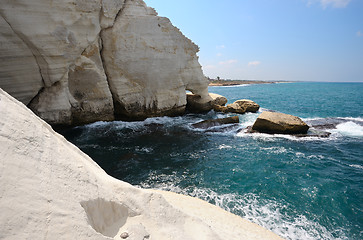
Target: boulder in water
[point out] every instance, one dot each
(249, 105)
(230, 108)
(235, 108)
(197, 104)
(274, 122)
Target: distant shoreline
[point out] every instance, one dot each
(241, 82)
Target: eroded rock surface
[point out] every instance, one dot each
(249, 105)
(230, 108)
(75, 61)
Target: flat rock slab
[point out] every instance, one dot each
(215, 122)
(274, 122)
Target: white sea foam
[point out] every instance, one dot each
(275, 150)
(97, 124)
(349, 129)
(356, 119)
(312, 119)
(356, 166)
(224, 146)
(275, 137)
(144, 149)
(267, 213)
(248, 119)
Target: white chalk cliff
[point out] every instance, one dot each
(49, 189)
(78, 61)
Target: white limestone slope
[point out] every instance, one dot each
(49, 189)
(70, 61)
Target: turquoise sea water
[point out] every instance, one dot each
(300, 188)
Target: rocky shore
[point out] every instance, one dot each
(51, 190)
(75, 62)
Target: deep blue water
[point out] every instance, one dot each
(300, 188)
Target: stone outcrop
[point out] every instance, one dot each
(249, 105)
(75, 61)
(49, 189)
(274, 122)
(198, 104)
(239, 106)
(216, 122)
(230, 108)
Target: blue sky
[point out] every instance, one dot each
(308, 40)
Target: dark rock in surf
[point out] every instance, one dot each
(274, 122)
(234, 127)
(215, 122)
(310, 133)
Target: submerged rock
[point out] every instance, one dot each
(249, 105)
(274, 122)
(216, 122)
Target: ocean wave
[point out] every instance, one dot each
(224, 146)
(350, 129)
(269, 214)
(276, 137)
(357, 119)
(356, 166)
(274, 150)
(338, 127)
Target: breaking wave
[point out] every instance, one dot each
(270, 214)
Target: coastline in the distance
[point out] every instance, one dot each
(223, 82)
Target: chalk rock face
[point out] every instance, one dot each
(77, 61)
(49, 189)
(17, 63)
(150, 64)
(274, 122)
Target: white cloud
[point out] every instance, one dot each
(219, 54)
(228, 62)
(332, 3)
(221, 47)
(254, 63)
(359, 34)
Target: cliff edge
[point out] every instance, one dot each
(49, 189)
(76, 61)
